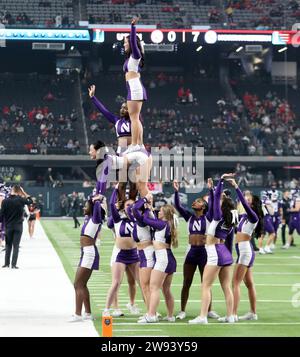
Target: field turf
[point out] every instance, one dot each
(277, 279)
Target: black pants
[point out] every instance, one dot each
(76, 222)
(12, 240)
(283, 229)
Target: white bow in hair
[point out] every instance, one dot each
(235, 216)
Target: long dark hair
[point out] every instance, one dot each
(257, 208)
(226, 207)
(98, 145)
(142, 61)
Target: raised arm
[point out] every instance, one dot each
(102, 109)
(210, 212)
(97, 216)
(217, 212)
(113, 209)
(136, 53)
(137, 211)
(130, 213)
(185, 213)
(157, 224)
(252, 216)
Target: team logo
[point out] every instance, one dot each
(107, 322)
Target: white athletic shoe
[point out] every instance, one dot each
(236, 318)
(117, 313)
(261, 251)
(286, 246)
(273, 246)
(134, 310)
(268, 250)
(227, 319)
(249, 316)
(199, 321)
(106, 312)
(181, 315)
(212, 315)
(87, 317)
(147, 319)
(158, 315)
(169, 319)
(76, 318)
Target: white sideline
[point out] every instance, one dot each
(38, 299)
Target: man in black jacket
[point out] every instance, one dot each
(12, 211)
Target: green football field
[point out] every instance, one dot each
(277, 279)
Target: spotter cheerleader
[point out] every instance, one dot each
(133, 309)
(124, 254)
(196, 256)
(142, 234)
(94, 215)
(165, 237)
(245, 253)
(219, 258)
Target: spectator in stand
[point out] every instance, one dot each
(181, 95)
(229, 12)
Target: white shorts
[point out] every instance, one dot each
(211, 231)
(146, 257)
(165, 261)
(135, 89)
(245, 253)
(89, 257)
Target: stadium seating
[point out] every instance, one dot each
(22, 97)
(39, 12)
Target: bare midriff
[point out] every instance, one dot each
(242, 237)
(131, 75)
(86, 241)
(124, 142)
(160, 245)
(125, 243)
(210, 240)
(143, 245)
(197, 239)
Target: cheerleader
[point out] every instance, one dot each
(124, 253)
(245, 253)
(142, 234)
(136, 93)
(122, 126)
(133, 309)
(219, 258)
(197, 224)
(89, 260)
(165, 237)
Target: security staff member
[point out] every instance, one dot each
(12, 211)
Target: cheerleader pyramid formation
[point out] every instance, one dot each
(144, 239)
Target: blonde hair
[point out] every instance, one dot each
(171, 217)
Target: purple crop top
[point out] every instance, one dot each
(122, 125)
(92, 224)
(122, 224)
(196, 225)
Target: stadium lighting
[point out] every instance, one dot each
(199, 48)
(282, 49)
(239, 49)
